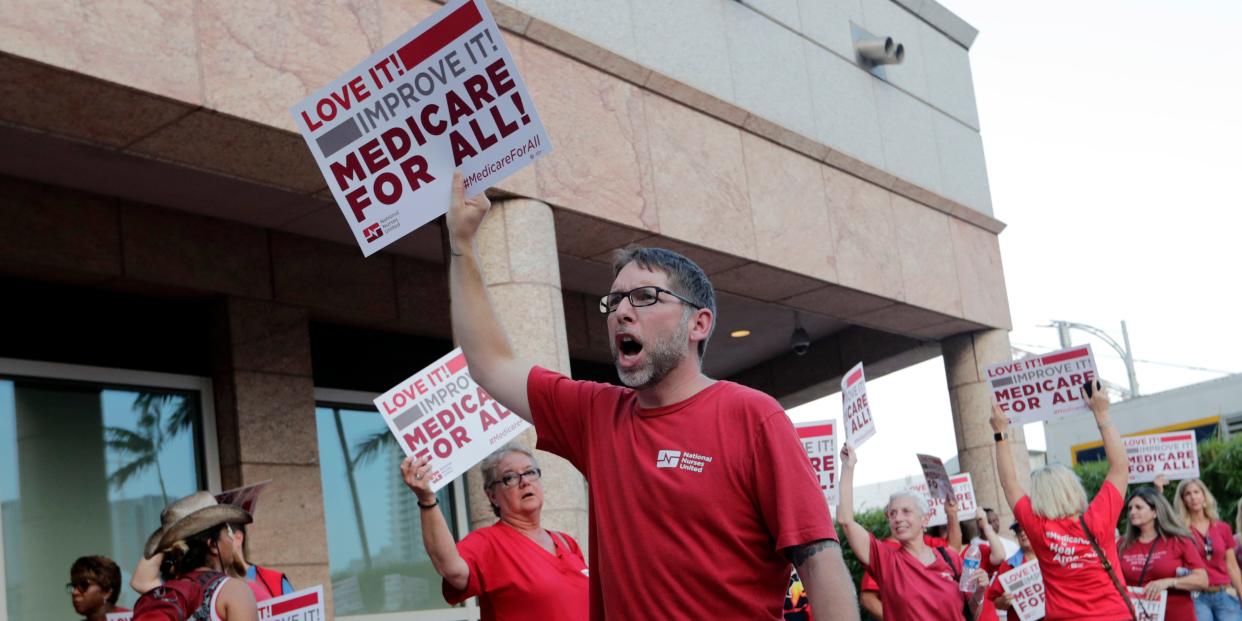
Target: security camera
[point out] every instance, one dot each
(881, 51)
(800, 341)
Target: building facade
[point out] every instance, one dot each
(184, 307)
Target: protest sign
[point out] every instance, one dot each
(304, 605)
(1148, 609)
(819, 440)
(440, 412)
(120, 616)
(938, 485)
(245, 497)
(1025, 587)
(388, 133)
(859, 426)
(963, 490)
(1175, 455)
(1043, 387)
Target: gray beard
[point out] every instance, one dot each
(662, 357)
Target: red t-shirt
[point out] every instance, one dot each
(868, 582)
(515, 578)
(691, 504)
(912, 591)
(1222, 540)
(1166, 556)
(1076, 585)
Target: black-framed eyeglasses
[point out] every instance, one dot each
(515, 478)
(81, 586)
(642, 296)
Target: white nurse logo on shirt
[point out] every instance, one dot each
(668, 459)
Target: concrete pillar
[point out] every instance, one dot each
(966, 358)
(265, 417)
(517, 251)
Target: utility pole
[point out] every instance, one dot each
(1127, 356)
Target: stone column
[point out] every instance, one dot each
(966, 358)
(517, 253)
(265, 418)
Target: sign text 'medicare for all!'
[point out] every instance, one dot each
(1174, 455)
(859, 426)
(1043, 387)
(441, 413)
(388, 134)
(819, 440)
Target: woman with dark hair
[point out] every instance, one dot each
(95, 585)
(1075, 541)
(1156, 545)
(196, 539)
(1196, 506)
(517, 568)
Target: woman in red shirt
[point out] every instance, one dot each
(917, 582)
(996, 591)
(1074, 541)
(1197, 507)
(1154, 548)
(519, 570)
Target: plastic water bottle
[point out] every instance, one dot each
(970, 563)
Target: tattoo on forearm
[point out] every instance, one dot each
(803, 553)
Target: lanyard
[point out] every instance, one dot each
(1148, 561)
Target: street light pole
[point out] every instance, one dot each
(1127, 356)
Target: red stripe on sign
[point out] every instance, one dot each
(1189, 436)
(457, 364)
(853, 378)
(1065, 355)
(449, 29)
(814, 430)
(957, 480)
(310, 599)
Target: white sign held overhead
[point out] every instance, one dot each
(1043, 387)
(859, 426)
(1175, 455)
(388, 134)
(963, 491)
(819, 440)
(441, 413)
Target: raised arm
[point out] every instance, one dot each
(147, 574)
(493, 363)
(1118, 462)
(994, 541)
(1005, 469)
(953, 528)
(436, 536)
(857, 536)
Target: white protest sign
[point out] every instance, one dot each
(440, 412)
(1148, 609)
(1175, 455)
(819, 440)
(1025, 587)
(245, 497)
(963, 490)
(304, 605)
(859, 426)
(388, 133)
(937, 478)
(120, 616)
(1043, 387)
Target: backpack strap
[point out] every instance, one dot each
(1108, 568)
(211, 582)
(957, 577)
(560, 537)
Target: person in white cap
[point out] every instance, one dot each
(196, 539)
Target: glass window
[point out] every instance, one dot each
(375, 546)
(86, 469)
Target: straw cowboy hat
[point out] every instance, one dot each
(190, 515)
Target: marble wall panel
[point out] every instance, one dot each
(868, 258)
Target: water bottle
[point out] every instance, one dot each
(970, 563)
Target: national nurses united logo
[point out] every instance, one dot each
(682, 460)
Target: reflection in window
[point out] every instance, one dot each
(86, 470)
(375, 546)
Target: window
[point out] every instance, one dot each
(88, 459)
(375, 547)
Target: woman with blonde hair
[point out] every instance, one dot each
(1075, 541)
(1155, 547)
(1197, 508)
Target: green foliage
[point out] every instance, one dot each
(1220, 467)
(875, 522)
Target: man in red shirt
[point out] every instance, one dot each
(701, 494)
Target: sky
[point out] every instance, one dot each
(1111, 131)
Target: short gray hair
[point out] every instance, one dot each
(491, 466)
(920, 503)
(684, 276)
